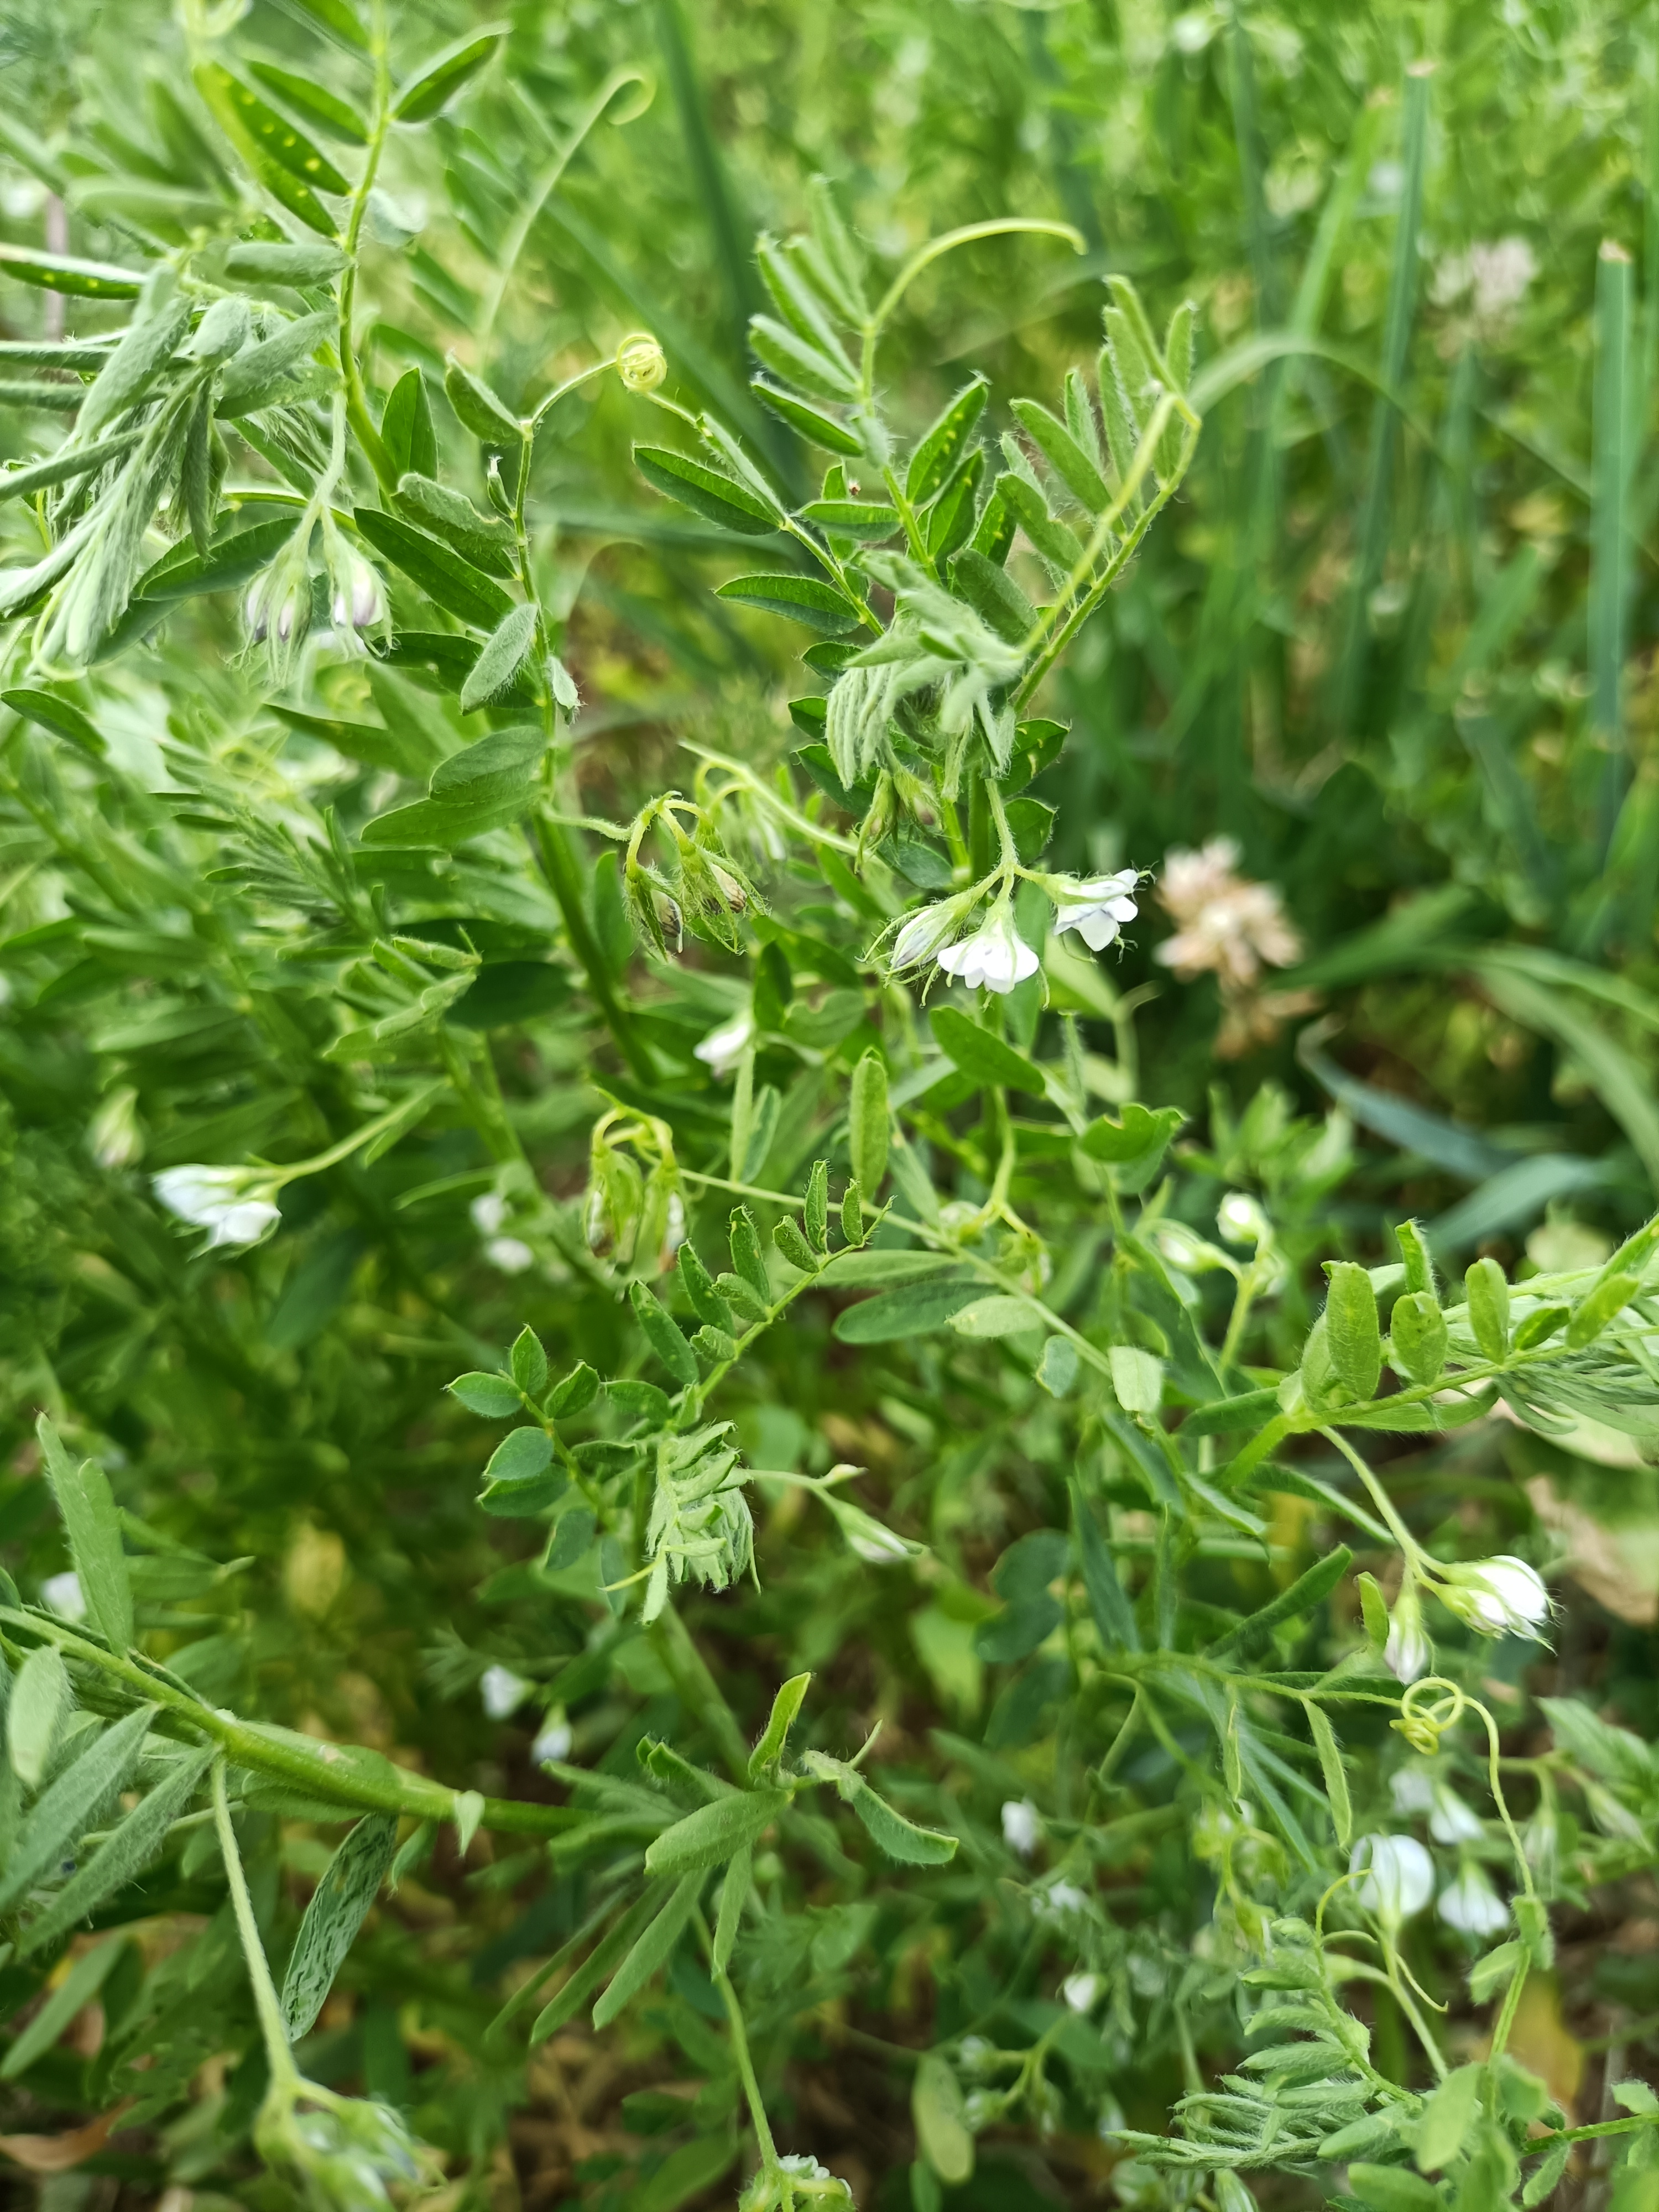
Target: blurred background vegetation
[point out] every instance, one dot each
(1393, 644)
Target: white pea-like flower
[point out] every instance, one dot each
(1451, 1820)
(1497, 1597)
(1080, 1990)
(1059, 1899)
(489, 1213)
(1397, 1876)
(1021, 1827)
(872, 1540)
(722, 1049)
(554, 1739)
(1097, 909)
(1240, 1219)
(1407, 1654)
(996, 955)
(64, 1596)
(233, 1205)
(641, 362)
(502, 1692)
(511, 1256)
(113, 1136)
(1471, 1904)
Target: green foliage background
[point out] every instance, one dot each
(1391, 638)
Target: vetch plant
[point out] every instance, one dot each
(640, 1464)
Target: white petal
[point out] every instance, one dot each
(245, 1224)
(1412, 1790)
(1451, 1821)
(555, 1742)
(501, 1691)
(1096, 928)
(64, 1593)
(1020, 1825)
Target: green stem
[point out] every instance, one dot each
(347, 1145)
(265, 2001)
(324, 1772)
(1080, 612)
(1588, 2135)
(687, 1663)
(1006, 836)
(357, 412)
(769, 2149)
(999, 227)
(1380, 1499)
(565, 880)
(545, 185)
(907, 515)
(1500, 2034)
(1407, 2004)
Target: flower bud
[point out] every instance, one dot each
(731, 888)
(641, 362)
(1407, 1654)
(1241, 1220)
(235, 1205)
(878, 820)
(274, 608)
(1021, 1827)
(113, 1136)
(722, 1049)
(923, 932)
(342, 2151)
(359, 602)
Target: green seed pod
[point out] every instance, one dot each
(1417, 1337)
(746, 1256)
(1355, 1337)
(1489, 1307)
(1320, 1386)
(794, 1247)
(817, 1210)
(1598, 1306)
(1414, 1253)
(1375, 1608)
(851, 1215)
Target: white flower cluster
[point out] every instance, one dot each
(510, 1255)
(234, 1205)
(1495, 1597)
(994, 955)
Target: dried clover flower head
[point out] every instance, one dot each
(1230, 925)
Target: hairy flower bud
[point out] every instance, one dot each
(359, 602)
(113, 1136)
